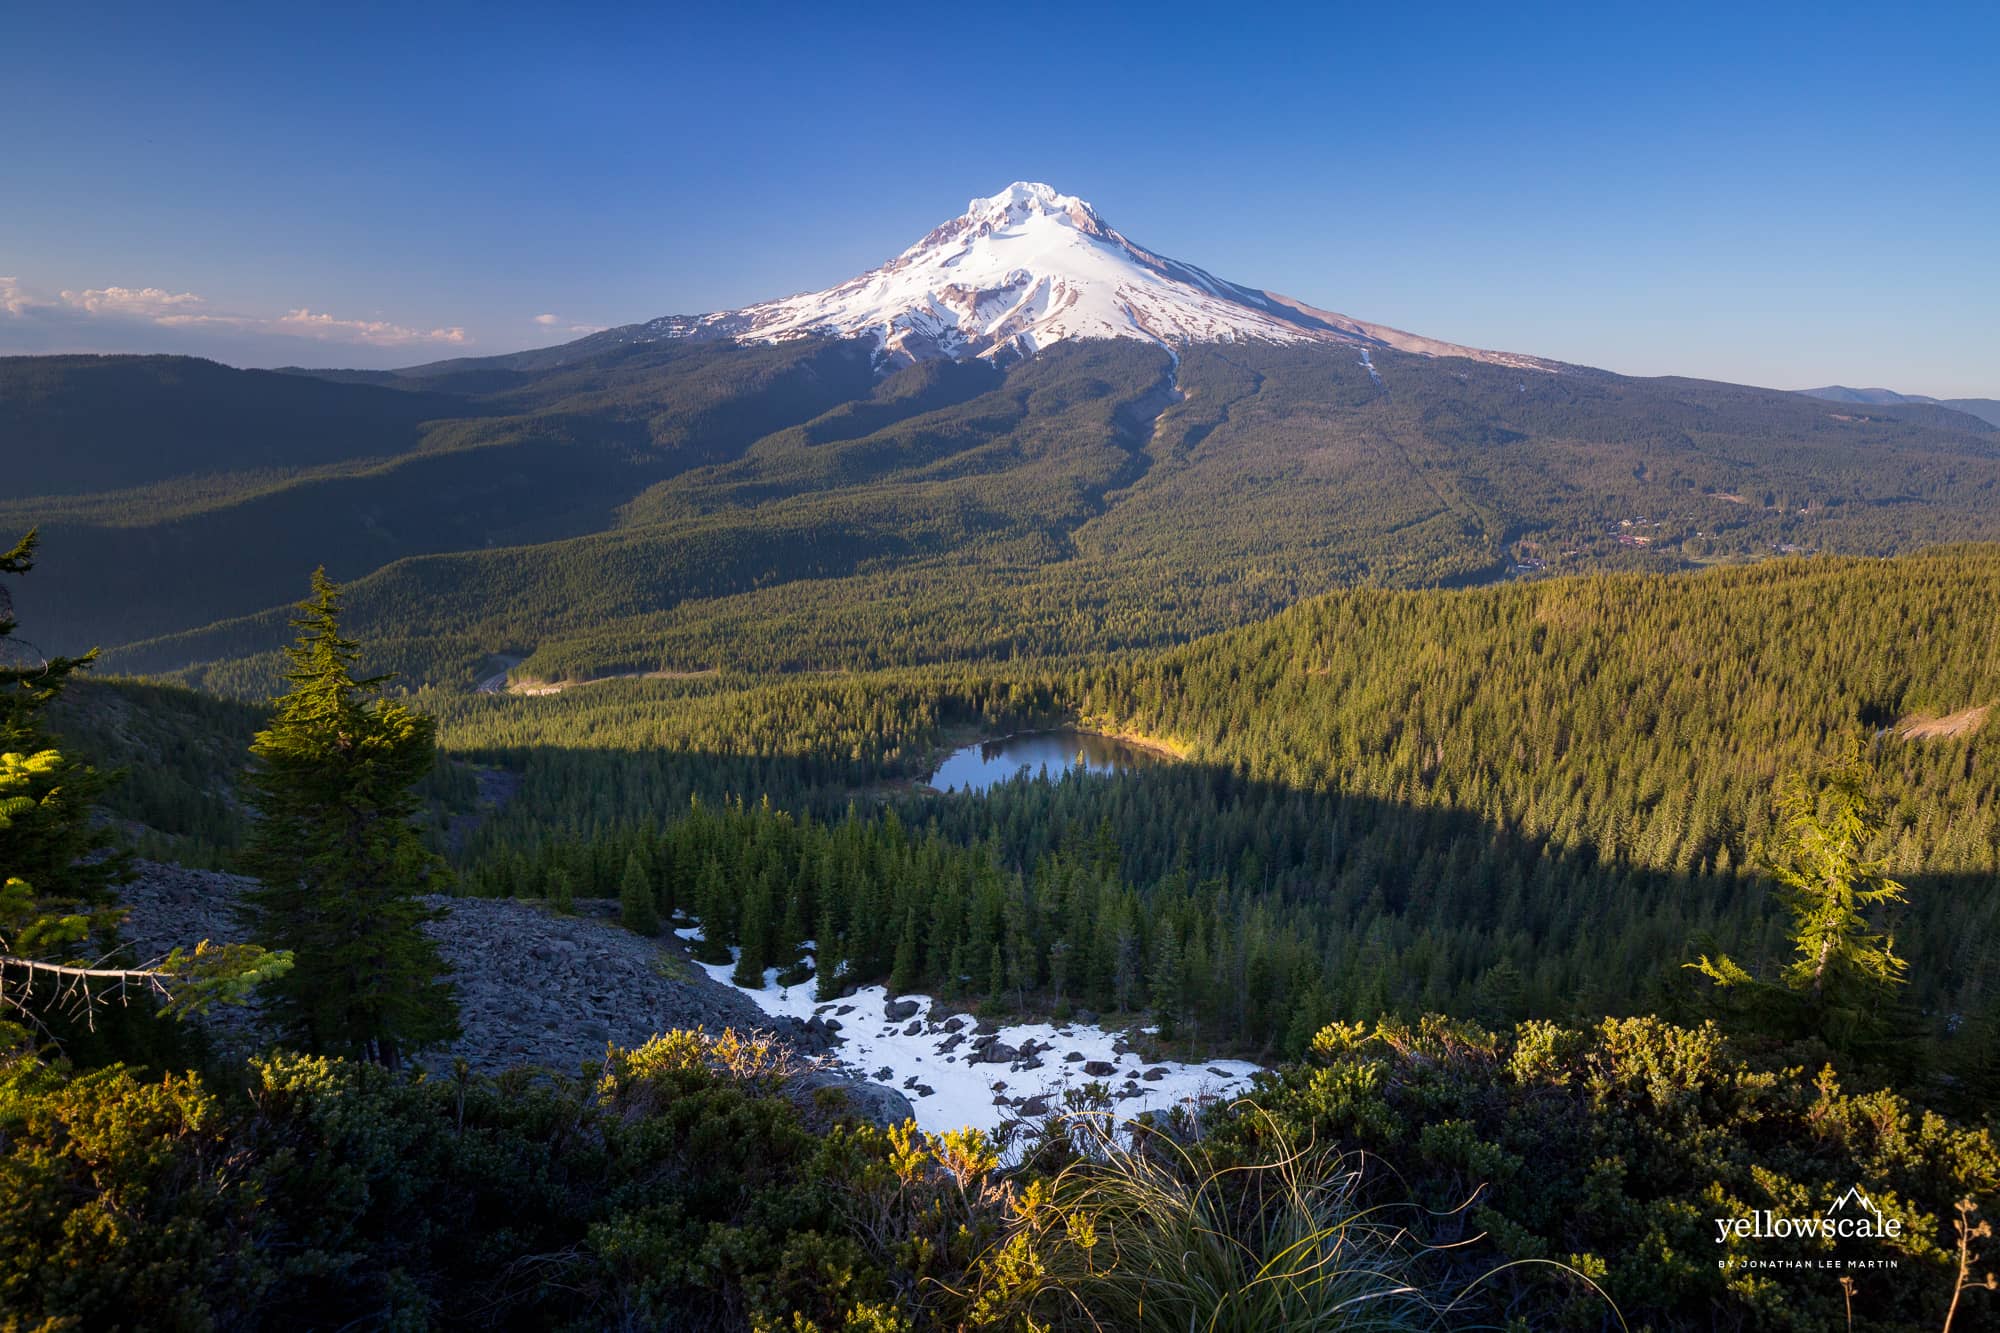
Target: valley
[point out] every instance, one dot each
(790, 809)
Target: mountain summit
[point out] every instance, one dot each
(1028, 267)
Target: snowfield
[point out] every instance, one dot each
(955, 1076)
(1029, 267)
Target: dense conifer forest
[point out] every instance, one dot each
(1546, 819)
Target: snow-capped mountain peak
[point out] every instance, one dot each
(1028, 267)
(1018, 200)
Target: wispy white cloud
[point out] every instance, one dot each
(138, 307)
(374, 332)
(16, 299)
(559, 324)
(138, 302)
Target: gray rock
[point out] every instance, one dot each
(898, 1010)
(534, 989)
(1155, 1074)
(1099, 1069)
(1073, 1057)
(913, 1029)
(814, 1089)
(995, 1053)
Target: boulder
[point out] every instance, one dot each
(831, 1094)
(1074, 1057)
(1155, 1074)
(898, 1010)
(1099, 1069)
(995, 1053)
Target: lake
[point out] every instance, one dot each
(1047, 753)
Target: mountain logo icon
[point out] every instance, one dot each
(1856, 1195)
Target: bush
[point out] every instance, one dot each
(1617, 1150)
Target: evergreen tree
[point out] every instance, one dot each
(341, 863)
(635, 899)
(903, 975)
(1845, 970)
(1167, 985)
(72, 861)
(1821, 860)
(751, 958)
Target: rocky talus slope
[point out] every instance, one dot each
(535, 988)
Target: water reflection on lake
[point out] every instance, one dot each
(1046, 753)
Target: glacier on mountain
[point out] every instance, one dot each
(1028, 267)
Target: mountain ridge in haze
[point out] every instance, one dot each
(1986, 409)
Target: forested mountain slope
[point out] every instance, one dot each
(74, 425)
(676, 505)
(488, 463)
(1568, 781)
(1534, 799)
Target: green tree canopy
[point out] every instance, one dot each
(1845, 967)
(339, 856)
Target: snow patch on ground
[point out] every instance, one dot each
(1373, 373)
(929, 1055)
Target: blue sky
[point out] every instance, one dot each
(1796, 196)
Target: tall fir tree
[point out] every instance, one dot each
(338, 854)
(903, 974)
(635, 899)
(752, 956)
